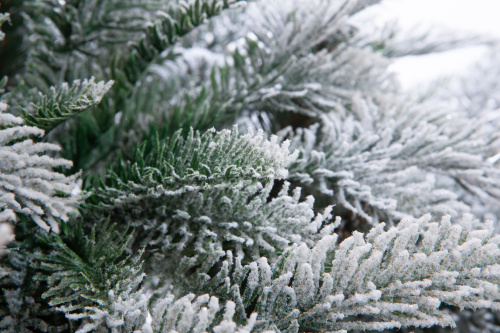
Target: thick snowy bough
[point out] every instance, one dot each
(374, 160)
(28, 184)
(381, 280)
(208, 189)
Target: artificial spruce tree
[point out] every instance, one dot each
(237, 166)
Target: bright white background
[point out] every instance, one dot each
(474, 16)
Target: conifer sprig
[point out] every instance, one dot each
(74, 39)
(169, 25)
(63, 103)
(28, 184)
(83, 270)
(209, 158)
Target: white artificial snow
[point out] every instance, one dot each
(6, 231)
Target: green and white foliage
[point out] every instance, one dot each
(191, 226)
(90, 270)
(66, 34)
(177, 20)
(72, 40)
(186, 314)
(474, 96)
(372, 159)
(98, 289)
(381, 280)
(266, 56)
(474, 321)
(48, 111)
(21, 308)
(137, 74)
(185, 194)
(479, 91)
(28, 183)
(86, 272)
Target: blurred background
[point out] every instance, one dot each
(469, 22)
(475, 20)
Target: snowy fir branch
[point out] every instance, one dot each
(90, 273)
(206, 189)
(380, 280)
(357, 161)
(170, 25)
(28, 183)
(48, 111)
(241, 166)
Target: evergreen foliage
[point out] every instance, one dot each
(90, 274)
(396, 277)
(28, 184)
(237, 166)
(357, 160)
(61, 104)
